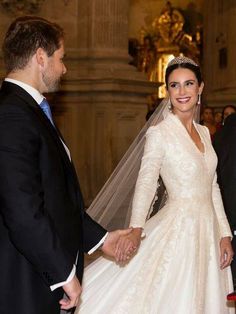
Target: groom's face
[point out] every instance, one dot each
(54, 70)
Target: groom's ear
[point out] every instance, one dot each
(40, 57)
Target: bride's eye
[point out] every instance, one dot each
(189, 83)
(173, 85)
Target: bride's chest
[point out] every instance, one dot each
(182, 157)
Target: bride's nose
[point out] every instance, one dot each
(181, 89)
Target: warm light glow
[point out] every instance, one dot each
(162, 64)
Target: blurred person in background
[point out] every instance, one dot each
(218, 120)
(227, 110)
(207, 119)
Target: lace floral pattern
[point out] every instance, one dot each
(176, 269)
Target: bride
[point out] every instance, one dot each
(182, 264)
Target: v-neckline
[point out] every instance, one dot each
(188, 135)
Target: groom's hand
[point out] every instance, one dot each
(73, 291)
(110, 244)
(128, 245)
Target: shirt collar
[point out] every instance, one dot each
(29, 89)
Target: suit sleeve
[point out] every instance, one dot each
(30, 228)
(93, 232)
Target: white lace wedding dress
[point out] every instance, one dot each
(177, 268)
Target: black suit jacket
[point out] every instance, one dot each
(42, 222)
(225, 147)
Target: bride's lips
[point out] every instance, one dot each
(183, 100)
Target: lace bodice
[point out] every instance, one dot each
(188, 174)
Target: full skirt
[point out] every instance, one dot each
(176, 270)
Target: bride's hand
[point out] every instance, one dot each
(226, 252)
(110, 244)
(127, 246)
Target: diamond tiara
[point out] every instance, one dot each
(180, 60)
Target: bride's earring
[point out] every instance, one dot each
(170, 106)
(199, 99)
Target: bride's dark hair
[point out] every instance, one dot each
(185, 65)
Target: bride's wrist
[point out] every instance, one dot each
(137, 231)
(227, 238)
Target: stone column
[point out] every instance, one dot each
(103, 100)
(219, 52)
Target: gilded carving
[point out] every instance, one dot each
(165, 39)
(20, 7)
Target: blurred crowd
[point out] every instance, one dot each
(214, 119)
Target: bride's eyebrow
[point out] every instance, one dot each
(178, 82)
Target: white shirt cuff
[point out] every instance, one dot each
(98, 245)
(60, 284)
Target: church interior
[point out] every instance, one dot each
(116, 54)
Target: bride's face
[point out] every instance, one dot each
(183, 90)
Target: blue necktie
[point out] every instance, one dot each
(46, 109)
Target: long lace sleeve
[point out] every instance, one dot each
(146, 184)
(224, 227)
(219, 209)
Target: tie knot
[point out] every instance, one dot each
(46, 109)
(44, 104)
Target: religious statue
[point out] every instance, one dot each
(164, 40)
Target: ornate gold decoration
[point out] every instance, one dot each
(20, 7)
(169, 24)
(163, 41)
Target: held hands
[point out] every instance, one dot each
(73, 291)
(122, 244)
(128, 245)
(226, 252)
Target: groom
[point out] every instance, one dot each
(44, 230)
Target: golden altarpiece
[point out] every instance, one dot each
(164, 40)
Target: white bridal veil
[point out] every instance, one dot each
(112, 206)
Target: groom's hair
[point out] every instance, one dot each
(24, 36)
